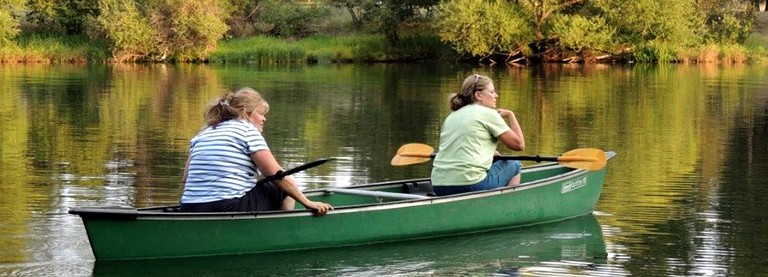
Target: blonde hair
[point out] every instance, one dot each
(235, 104)
(466, 96)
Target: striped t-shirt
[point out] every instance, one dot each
(220, 165)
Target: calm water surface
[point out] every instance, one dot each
(685, 197)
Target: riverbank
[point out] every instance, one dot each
(352, 49)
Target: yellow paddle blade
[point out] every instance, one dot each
(412, 153)
(416, 149)
(583, 158)
(403, 160)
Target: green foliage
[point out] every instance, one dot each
(125, 29)
(57, 16)
(242, 15)
(355, 8)
(388, 17)
(9, 27)
(578, 32)
(391, 15)
(9, 22)
(479, 28)
(729, 21)
(539, 12)
(669, 22)
(292, 19)
(188, 29)
(181, 30)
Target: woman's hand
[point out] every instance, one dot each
(513, 138)
(320, 208)
(505, 113)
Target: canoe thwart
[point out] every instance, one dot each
(382, 194)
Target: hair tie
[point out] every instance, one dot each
(224, 102)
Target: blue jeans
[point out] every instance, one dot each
(499, 175)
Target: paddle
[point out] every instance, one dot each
(582, 158)
(281, 174)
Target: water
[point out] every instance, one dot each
(685, 196)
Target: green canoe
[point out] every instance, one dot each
(374, 213)
(576, 242)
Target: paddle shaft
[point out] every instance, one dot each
(536, 158)
(281, 174)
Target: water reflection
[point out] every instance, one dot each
(685, 197)
(573, 246)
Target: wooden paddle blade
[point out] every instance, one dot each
(405, 160)
(584, 158)
(412, 153)
(416, 148)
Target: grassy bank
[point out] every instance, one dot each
(52, 49)
(351, 49)
(327, 49)
(751, 52)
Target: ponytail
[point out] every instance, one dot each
(231, 105)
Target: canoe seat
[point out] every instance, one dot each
(419, 188)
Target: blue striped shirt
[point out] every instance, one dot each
(220, 165)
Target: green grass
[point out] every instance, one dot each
(758, 46)
(328, 49)
(52, 49)
(753, 51)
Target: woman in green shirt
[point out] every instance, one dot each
(468, 141)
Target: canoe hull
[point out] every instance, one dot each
(550, 193)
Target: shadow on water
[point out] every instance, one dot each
(573, 246)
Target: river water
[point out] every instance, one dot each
(685, 196)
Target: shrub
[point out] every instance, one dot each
(124, 28)
(577, 32)
(479, 28)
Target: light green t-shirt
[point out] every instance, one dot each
(468, 141)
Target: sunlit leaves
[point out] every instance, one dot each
(9, 22)
(163, 30)
(125, 28)
(578, 32)
(481, 28)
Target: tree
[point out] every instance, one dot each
(354, 7)
(61, 16)
(672, 22)
(9, 20)
(160, 30)
(292, 19)
(386, 16)
(125, 29)
(391, 14)
(187, 29)
(578, 32)
(540, 12)
(729, 21)
(480, 28)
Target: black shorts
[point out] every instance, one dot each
(263, 197)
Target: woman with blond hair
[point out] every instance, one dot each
(229, 153)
